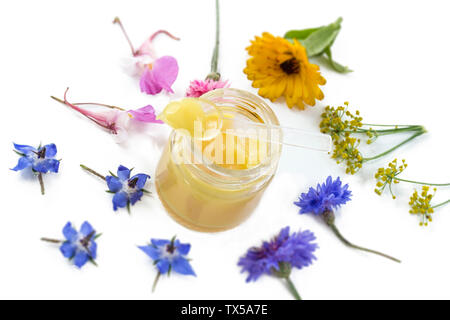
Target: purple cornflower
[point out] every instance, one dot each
(279, 255)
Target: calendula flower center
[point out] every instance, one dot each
(291, 66)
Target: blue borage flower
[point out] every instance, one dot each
(127, 191)
(169, 255)
(326, 197)
(323, 200)
(41, 160)
(79, 246)
(279, 255)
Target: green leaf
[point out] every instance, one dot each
(335, 65)
(19, 153)
(98, 236)
(300, 34)
(112, 174)
(318, 41)
(93, 262)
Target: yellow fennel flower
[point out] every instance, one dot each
(420, 205)
(281, 68)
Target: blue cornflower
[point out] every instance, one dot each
(326, 197)
(40, 160)
(279, 255)
(169, 255)
(323, 200)
(78, 246)
(126, 190)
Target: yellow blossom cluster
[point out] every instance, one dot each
(386, 176)
(420, 204)
(337, 122)
(346, 151)
(340, 123)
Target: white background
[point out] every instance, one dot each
(399, 51)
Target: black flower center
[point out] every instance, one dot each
(171, 248)
(291, 66)
(41, 153)
(132, 183)
(86, 240)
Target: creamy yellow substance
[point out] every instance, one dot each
(216, 142)
(194, 202)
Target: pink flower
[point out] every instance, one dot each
(145, 114)
(199, 87)
(155, 73)
(159, 75)
(113, 119)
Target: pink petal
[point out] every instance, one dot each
(147, 49)
(161, 76)
(148, 84)
(197, 88)
(145, 114)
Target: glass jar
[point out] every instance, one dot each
(205, 196)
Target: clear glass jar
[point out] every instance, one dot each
(205, 196)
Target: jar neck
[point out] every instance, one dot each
(245, 106)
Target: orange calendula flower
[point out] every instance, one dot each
(279, 67)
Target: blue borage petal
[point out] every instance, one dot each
(120, 200)
(159, 242)
(46, 165)
(23, 163)
(141, 180)
(70, 233)
(163, 266)
(183, 248)
(114, 184)
(86, 229)
(22, 148)
(50, 150)
(182, 266)
(152, 252)
(81, 258)
(123, 173)
(68, 250)
(135, 197)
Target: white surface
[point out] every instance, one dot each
(399, 51)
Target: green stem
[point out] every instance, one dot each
(156, 281)
(93, 172)
(390, 125)
(423, 183)
(51, 240)
(395, 147)
(351, 245)
(441, 204)
(41, 182)
(388, 131)
(214, 75)
(292, 288)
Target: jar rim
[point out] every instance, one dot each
(217, 174)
